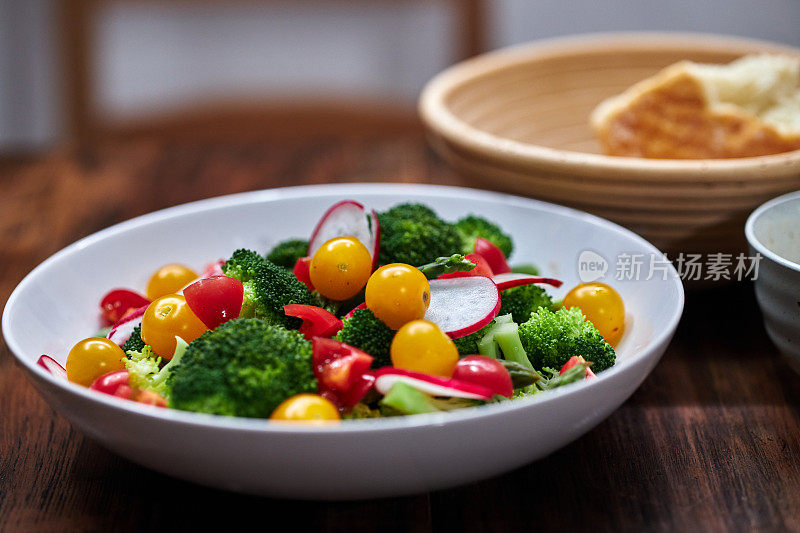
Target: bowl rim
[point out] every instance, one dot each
(750, 230)
(208, 421)
(437, 116)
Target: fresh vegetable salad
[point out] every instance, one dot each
(374, 315)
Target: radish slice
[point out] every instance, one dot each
(433, 385)
(461, 306)
(353, 310)
(52, 366)
(122, 330)
(513, 279)
(348, 218)
(213, 269)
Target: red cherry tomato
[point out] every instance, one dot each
(493, 255)
(215, 300)
(485, 371)
(113, 383)
(317, 322)
(482, 268)
(302, 271)
(118, 302)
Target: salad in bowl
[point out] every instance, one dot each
(216, 428)
(374, 314)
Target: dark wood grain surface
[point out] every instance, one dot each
(711, 441)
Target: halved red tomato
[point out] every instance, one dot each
(215, 300)
(118, 302)
(341, 371)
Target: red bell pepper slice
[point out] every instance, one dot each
(482, 268)
(302, 271)
(574, 360)
(493, 255)
(317, 322)
(149, 397)
(362, 305)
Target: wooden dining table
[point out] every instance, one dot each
(709, 442)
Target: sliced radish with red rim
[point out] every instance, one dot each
(348, 218)
(52, 366)
(460, 306)
(433, 385)
(122, 330)
(510, 280)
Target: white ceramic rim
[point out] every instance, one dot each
(366, 425)
(750, 233)
(438, 117)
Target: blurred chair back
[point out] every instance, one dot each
(86, 123)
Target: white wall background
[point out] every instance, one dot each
(158, 54)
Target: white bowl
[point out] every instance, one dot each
(56, 305)
(773, 230)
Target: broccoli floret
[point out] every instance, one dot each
(551, 338)
(286, 253)
(413, 211)
(367, 332)
(414, 234)
(526, 268)
(134, 342)
(267, 288)
(245, 367)
(520, 302)
(145, 371)
(471, 227)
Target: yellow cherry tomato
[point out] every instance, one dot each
(306, 408)
(340, 268)
(423, 347)
(398, 293)
(166, 318)
(602, 306)
(169, 279)
(93, 357)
